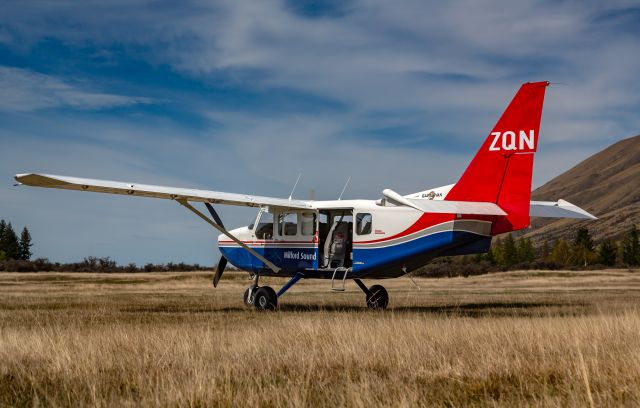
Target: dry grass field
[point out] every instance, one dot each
(511, 339)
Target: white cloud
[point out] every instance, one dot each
(24, 90)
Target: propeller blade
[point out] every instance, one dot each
(219, 270)
(214, 214)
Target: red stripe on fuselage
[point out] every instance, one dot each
(429, 220)
(265, 241)
(425, 221)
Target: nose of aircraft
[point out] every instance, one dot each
(235, 254)
(239, 233)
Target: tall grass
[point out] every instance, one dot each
(163, 342)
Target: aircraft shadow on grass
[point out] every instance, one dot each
(488, 309)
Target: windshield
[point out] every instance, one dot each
(264, 230)
(253, 222)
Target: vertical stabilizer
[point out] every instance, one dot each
(501, 170)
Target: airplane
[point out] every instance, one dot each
(356, 240)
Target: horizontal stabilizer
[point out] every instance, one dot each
(457, 207)
(441, 206)
(558, 209)
(144, 190)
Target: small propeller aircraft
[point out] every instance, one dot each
(355, 240)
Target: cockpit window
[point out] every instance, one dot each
(253, 223)
(264, 230)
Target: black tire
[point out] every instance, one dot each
(265, 299)
(378, 298)
(248, 302)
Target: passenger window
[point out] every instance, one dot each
(264, 230)
(363, 224)
(288, 224)
(308, 224)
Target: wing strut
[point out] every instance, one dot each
(219, 227)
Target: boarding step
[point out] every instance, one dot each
(343, 279)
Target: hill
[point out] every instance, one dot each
(606, 184)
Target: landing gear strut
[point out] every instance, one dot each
(262, 298)
(248, 296)
(376, 296)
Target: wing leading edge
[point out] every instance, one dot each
(145, 190)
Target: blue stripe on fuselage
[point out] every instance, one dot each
(293, 260)
(290, 259)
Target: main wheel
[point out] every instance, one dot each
(265, 298)
(249, 296)
(378, 298)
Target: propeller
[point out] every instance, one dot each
(219, 270)
(214, 214)
(222, 263)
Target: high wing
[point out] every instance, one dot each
(558, 209)
(144, 190)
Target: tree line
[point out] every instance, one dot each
(12, 247)
(581, 252)
(96, 264)
(15, 256)
(509, 253)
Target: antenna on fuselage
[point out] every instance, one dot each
(344, 188)
(294, 186)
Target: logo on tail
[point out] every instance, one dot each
(524, 142)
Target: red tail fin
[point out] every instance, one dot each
(501, 170)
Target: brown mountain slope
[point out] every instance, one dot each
(606, 184)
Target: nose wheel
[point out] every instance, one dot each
(262, 298)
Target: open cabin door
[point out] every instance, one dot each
(335, 238)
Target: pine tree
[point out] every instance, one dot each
(561, 253)
(497, 252)
(490, 256)
(525, 250)
(3, 226)
(607, 252)
(631, 247)
(583, 239)
(25, 244)
(583, 247)
(544, 252)
(510, 253)
(9, 242)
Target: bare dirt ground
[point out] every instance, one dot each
(170, 339)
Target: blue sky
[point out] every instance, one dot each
(241, 96)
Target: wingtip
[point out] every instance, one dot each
(23, 178)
